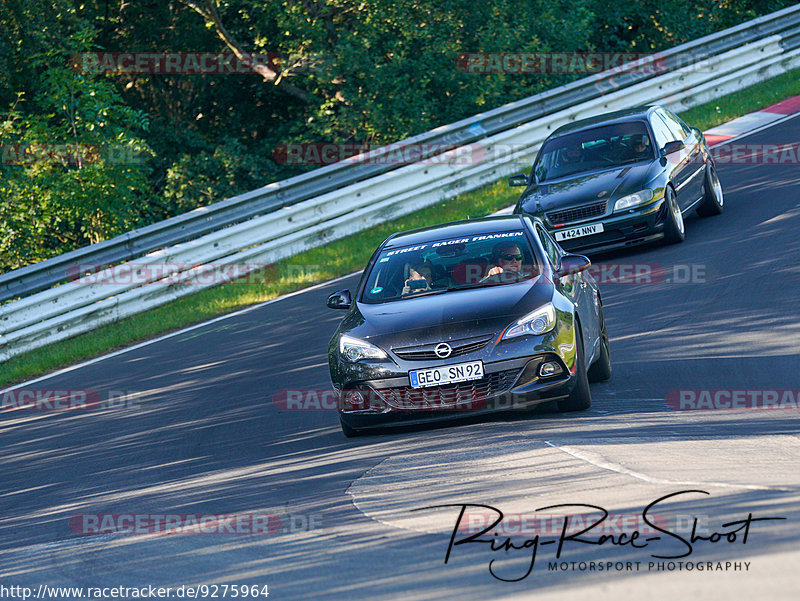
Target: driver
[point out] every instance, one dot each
(571, 155)
(569, 160)
(641, 148)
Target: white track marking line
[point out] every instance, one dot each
(613, 467)
(176, 333)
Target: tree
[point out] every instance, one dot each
(73, 168)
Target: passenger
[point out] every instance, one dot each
(418, 272)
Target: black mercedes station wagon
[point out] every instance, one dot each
(620, 179)
(473, 316)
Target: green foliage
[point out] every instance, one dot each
(652, 25)
(73, 163)
(87, 156)
(209, 174)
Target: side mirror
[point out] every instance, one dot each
(520, 179)
(671, 147)
(571, 264)
(340, 300)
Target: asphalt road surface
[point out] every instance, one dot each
(194, 431)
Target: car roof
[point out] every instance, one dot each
(457, 229)
(633, 114)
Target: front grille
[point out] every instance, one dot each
(426, 352)
(589, 211)
(436, 397)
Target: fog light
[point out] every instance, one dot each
(353, 398)
(549, 368)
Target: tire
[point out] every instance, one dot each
(581, 397)
(600, 370)
(674, 228)
(713, 198)
(347, 430)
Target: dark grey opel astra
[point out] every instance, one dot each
(468, 317)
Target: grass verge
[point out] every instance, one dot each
(747, 100)
(338, 258)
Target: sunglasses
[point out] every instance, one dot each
(511, 257)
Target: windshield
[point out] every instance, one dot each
(438, 267)
(593, 149)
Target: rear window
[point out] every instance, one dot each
(443, 266)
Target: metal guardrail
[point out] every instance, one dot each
(199, 222)
(135, 286)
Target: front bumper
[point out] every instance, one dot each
(633, 227)
(507, 385)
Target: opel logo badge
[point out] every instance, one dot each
(443, 350)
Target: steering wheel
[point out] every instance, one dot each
(608, 160)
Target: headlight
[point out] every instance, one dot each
(633, 200)
(352, 349)
(538, 322)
